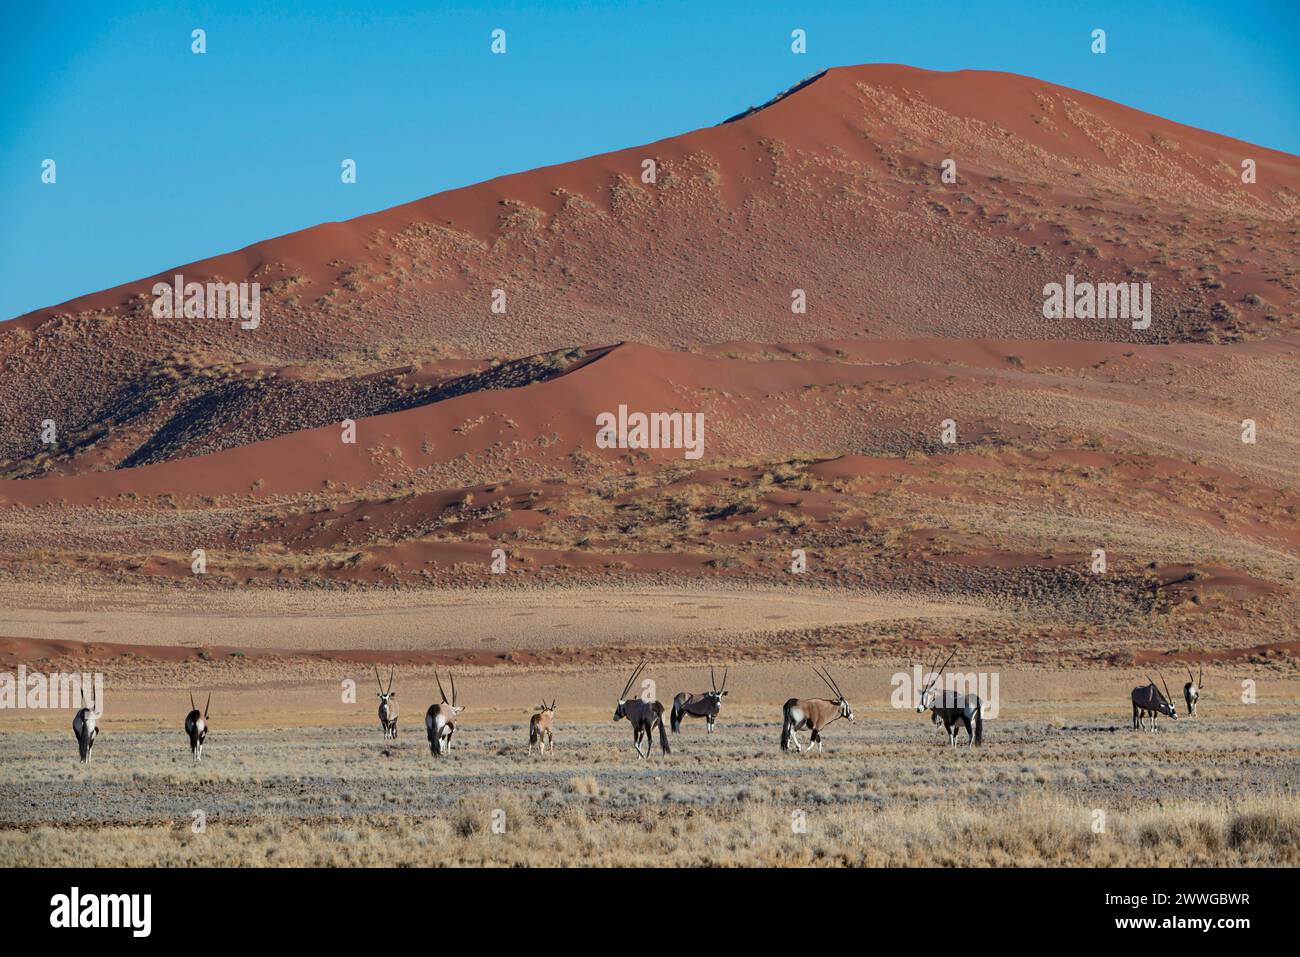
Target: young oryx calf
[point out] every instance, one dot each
(814, 714)
(1149, 700)
(387, 706)
(643, 716)
(196, 726)
(952, 709)
(85, 727)
(440, 719)
(705, 705)
(539, 728)
(1192, 690)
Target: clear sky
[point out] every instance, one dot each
(164, 157)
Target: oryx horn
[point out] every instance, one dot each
(938, 672)
(628, 687)
(830, 682)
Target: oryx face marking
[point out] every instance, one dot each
(387, 706)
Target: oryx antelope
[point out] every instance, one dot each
(814, 714)
(705, 705)
(387, 706)
(643, 716)
(952, 709)
(540, 728)
(440, 719)
(196, 726)
(1192, 690)
(1148, 700)
(85, 725)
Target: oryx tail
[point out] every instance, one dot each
(787, 723)
(663, 732)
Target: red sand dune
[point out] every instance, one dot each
(833, 189)
(865, 120)
(477, 430)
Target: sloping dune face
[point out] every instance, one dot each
(843, 294)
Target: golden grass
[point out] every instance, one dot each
(1036, 830)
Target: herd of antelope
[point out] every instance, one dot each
(953, 710)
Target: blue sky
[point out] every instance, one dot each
(165, 157)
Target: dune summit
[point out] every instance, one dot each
(851, 284)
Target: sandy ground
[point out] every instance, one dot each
(456, 618)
